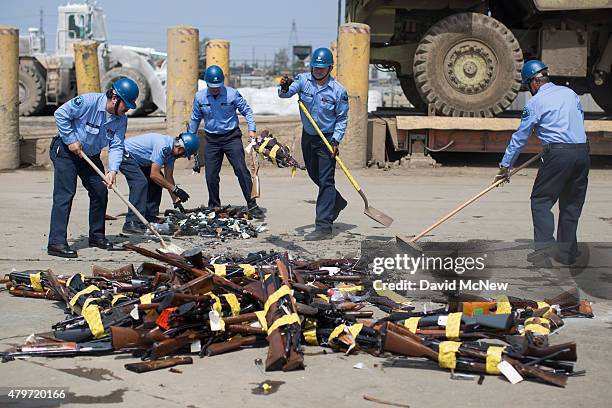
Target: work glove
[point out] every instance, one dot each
(285, 83)
(196, 164)
(181, 194)
(335, 150)
(502, 174)
(179, 206)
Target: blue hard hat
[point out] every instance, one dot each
(322, 58)
(531, 69)
(127, 90)
(214, 76)
(191, 142)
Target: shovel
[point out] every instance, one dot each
(166, 246)
(371, 212)
(255, 192)
(411, 243)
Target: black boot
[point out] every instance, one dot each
(132, 227)
(337, 211)
(540, 258)
(101, 243)
(318, 235)
(63, 251)
(257, 213)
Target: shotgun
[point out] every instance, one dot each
(472, 323)
(173, 345)
(57, 349)
(525, 370)
(412, 345)
(284, 342)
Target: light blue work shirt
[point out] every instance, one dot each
(327, 104)
(219, 113)
(84, 118)
(151, 148)
(556, 114)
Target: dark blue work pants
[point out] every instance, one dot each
(145, 194)
(563, 176)
(321, 167)
(230, 145)
(67, 166)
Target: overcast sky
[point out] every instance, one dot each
(260, 25)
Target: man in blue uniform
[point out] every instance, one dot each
(87, 124)
(327, 101)
(556, 115)
(217, 106)
(144, 158)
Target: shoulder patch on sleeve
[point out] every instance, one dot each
(525, 113)
(78, 101)
(238, 94)
(166, 150)
(345, 96)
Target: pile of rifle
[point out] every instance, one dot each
(205, 306)
(218, 222)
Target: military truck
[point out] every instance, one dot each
(49, 80)
(464, 57)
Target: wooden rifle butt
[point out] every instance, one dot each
(231, 345)
(146, 366)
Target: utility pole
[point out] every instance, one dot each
(41, 34)
(293, 40)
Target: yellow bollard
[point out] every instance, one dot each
(182, 77)
(86, 67)
(334, 49)
(9, 98)
(353, 65)
(217, 53)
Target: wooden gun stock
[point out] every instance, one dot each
(146, 366)
(125, 337)
(231, 345)
(46, 294)
(245, 329)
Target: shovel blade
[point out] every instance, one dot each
(255, 193)
(378, 216)
(409, 245)
(170, 248)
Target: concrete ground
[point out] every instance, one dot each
(414, 198)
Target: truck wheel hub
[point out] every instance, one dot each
(23, 92)
(469, 66)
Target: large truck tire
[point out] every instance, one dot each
(602, 94)
(143, 103)
(468, 64)
(32, 86)
(412, 93)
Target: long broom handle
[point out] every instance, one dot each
(125, 200)
(331, 150)
(476, 197)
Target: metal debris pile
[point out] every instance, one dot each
(205, 306)
(223, 223)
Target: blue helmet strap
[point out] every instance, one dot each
(117, 102)
(181, 143)
(537, 76)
